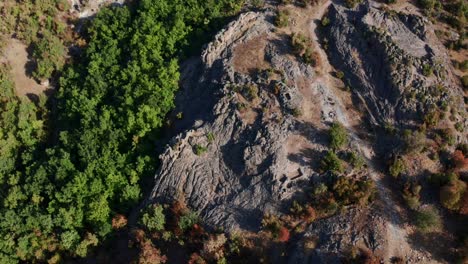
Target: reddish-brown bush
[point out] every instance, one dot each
(150, 254)
(195, 258)
(119, 221)
(459, 160)
(284, 234)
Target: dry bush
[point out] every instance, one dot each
(213, 248)
(119, 221)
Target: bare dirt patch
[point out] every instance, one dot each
(16, 55)
(250, 56)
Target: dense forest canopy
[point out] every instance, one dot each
(61, 187)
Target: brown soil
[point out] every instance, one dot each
(250, 56)
(16, 56)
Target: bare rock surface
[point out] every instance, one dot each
(383, 53)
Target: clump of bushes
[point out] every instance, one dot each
(411, 195)
(274, 225)
(451, 194)
(349, 191)
(332, 163)
(415, 141)
(338, 136)
(428, 219)
(302, 47)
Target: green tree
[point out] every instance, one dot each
(154, 218)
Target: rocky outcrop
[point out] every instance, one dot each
(243, 171)
(251, 116)
(392, 61)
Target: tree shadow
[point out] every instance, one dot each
(438, 245)
(307, 157)
(312, 133)
(280, 46)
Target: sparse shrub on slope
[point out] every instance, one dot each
(397, 167)
(451, 194)
(332, 163)
(428, 219)
(338, 136)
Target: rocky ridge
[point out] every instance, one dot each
(250, 122)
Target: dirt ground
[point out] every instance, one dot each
(15, 54)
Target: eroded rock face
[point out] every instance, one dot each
(245, 169)
(383, 54)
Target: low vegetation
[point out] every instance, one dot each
(302, 47)
(338, 136)
(428, 219)
(282, 18)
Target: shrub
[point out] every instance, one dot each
(432, 117)
(188, 220)
(250, 92)
(282, 18)
(299, 43)
(459, 160)
(428, 219)
(311, 57)
(464, 81)
(210, 137)
(352, 3)
(119, 221)
(411, 195)
(351, 191)
(441, 179)
(464, 65)
(154, 218)
(325, 21)
(258, 3)
(296, 112)
(283, 235)
(414, 141)
(448, 136)
(272, 224)
(332, 163)
(199, 149)
(427, 70)
(428, 5)
(357, 160)
(213, 248)
(397, 168)
(338, 136)
(340, 75)
(451, 194)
